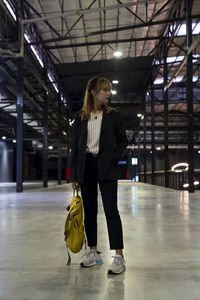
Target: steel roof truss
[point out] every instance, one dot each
(64, 19)
(136, 16)
(39, 15)
(160, 11)
(79, 19)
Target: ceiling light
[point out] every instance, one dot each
(37, 56)
(196, 56)
(71, 122)
(158, 148)
(117, 53)
(115, 81)
(199, 151)
(14, 141)
(50, 147)
(178, 79)
(186, 185)
(52, 81)
(10, 10)
(139, 115)
(196, 182)
(185, 165)
(158, 81)
(27, 38)
(172, 59)
(176, 59)
(195, 78)
(34, 49)
(134, 161)
(113, 92)
(3, 137)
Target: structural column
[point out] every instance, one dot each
(45, 141)
(190, 98)
(152, 134)
(139, 160)
(59, 145)
(68, 149)
(144, 142)
(19, 156)
(166, 134)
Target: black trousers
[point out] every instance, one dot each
(89, 194)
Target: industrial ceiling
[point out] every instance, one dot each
(67, 42)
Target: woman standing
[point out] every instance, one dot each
(98, 141)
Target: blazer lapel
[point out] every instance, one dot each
(84, 133)
(103, 129)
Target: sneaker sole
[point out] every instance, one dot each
(115, 273)
(97, 262)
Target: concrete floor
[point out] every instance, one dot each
(162, 247)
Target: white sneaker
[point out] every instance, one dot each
(118, 265)
(91, 258)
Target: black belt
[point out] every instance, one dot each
(92, 154)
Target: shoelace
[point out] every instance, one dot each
(90, 253)
(118, 260)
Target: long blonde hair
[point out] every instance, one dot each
(95, 83)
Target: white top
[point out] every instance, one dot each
(93, 132)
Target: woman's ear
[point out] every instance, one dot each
(93, 92)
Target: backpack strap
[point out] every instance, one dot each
(69, 258)
(75, 192)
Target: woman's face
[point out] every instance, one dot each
(102, 96)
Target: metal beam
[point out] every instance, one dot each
(76, 12)
(46, 22)
(189, 85)
(91, 59)
(152, 132)
(147, 33)
(166, 127)
(70, 29)
(64, 20)
(106, 42)
(160, 10)
(132, 33)
(19, 158)
(124, 28)
(59, 145)
(136, 16)
(145, 142)
(45, 141)
(69, 132)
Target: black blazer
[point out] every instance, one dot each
(112, 144)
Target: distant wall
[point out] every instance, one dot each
(6, 162)
(175, 157)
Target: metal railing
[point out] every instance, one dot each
(176, 179)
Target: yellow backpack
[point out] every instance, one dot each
(74, 229)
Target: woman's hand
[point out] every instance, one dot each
(75, 186)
